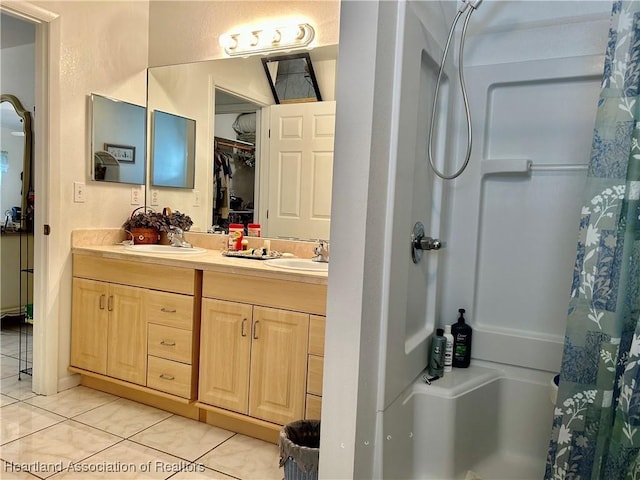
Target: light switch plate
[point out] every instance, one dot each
(135, 195)
(79, 192)
(196, 198)
(155, 201)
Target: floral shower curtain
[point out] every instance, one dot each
(596, 426)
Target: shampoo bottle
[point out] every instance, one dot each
(461, 342)
(448, 352)
(436, 359)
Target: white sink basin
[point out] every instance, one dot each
(298, 264)
(164, 249)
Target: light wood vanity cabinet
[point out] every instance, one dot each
(252, 360)
(315, 367)
(135, 322)
(241, 351)
(108, 332)
(253, 357)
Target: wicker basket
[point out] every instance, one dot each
(145, 235)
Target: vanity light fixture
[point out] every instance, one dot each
(267, 39)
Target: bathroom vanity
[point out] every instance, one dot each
(233, 342)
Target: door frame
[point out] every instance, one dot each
(45, 334)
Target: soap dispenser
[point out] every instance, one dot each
(461, 341)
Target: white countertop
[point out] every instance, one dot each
(210, 260)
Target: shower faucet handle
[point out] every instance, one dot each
(421, 242)
(428, 243)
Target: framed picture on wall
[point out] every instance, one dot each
(122, 153)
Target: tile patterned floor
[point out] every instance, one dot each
(82, 433)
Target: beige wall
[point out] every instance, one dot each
(105, 48)
(96, 47)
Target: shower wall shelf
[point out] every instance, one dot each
(525, 166)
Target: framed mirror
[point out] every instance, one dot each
(194, 90)
(173, 151)
(15, 165)
(118, 141)
(291, 78)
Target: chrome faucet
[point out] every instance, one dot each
(175, 236)
(322, 252)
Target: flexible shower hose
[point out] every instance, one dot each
(463, 88)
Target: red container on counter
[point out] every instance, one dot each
(236, 233)
(253, 230)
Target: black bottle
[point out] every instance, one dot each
(461, 342)
(436, 358)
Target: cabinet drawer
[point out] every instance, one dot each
(267, 292)
(170, 343)
(313, 408)
(158, 277)
(168, 376)
(314, 374)
(316, 335)
(169, 309)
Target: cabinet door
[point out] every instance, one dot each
(89, 325)
(225, 345)
(278, 365)
(127, 337)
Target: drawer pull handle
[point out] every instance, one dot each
(110, 303)
(168, 343)
(168, 310)
(255, 329)
(164, 376)
(242, 332)
(102, 297)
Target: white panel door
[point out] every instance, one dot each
(300, 169)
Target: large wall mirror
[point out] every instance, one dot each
(208, 91)
(118, 141)
(16, 185)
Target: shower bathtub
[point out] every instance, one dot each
(473, 423)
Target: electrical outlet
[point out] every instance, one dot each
(135, 195)
(196, 198)
(79, 192)
(155, 201)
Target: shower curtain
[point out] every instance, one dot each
(596, 426)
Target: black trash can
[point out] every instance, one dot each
(299, 444)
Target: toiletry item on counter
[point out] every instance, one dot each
(448, 352)
(436, 359)
(461, 342)
(236, 233)
(253, 230)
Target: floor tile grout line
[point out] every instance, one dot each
(35, 431)
(26, 400)
(174, 454)
(152, 425)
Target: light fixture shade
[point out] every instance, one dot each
(267, 39)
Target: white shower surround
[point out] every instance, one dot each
(533, 71)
